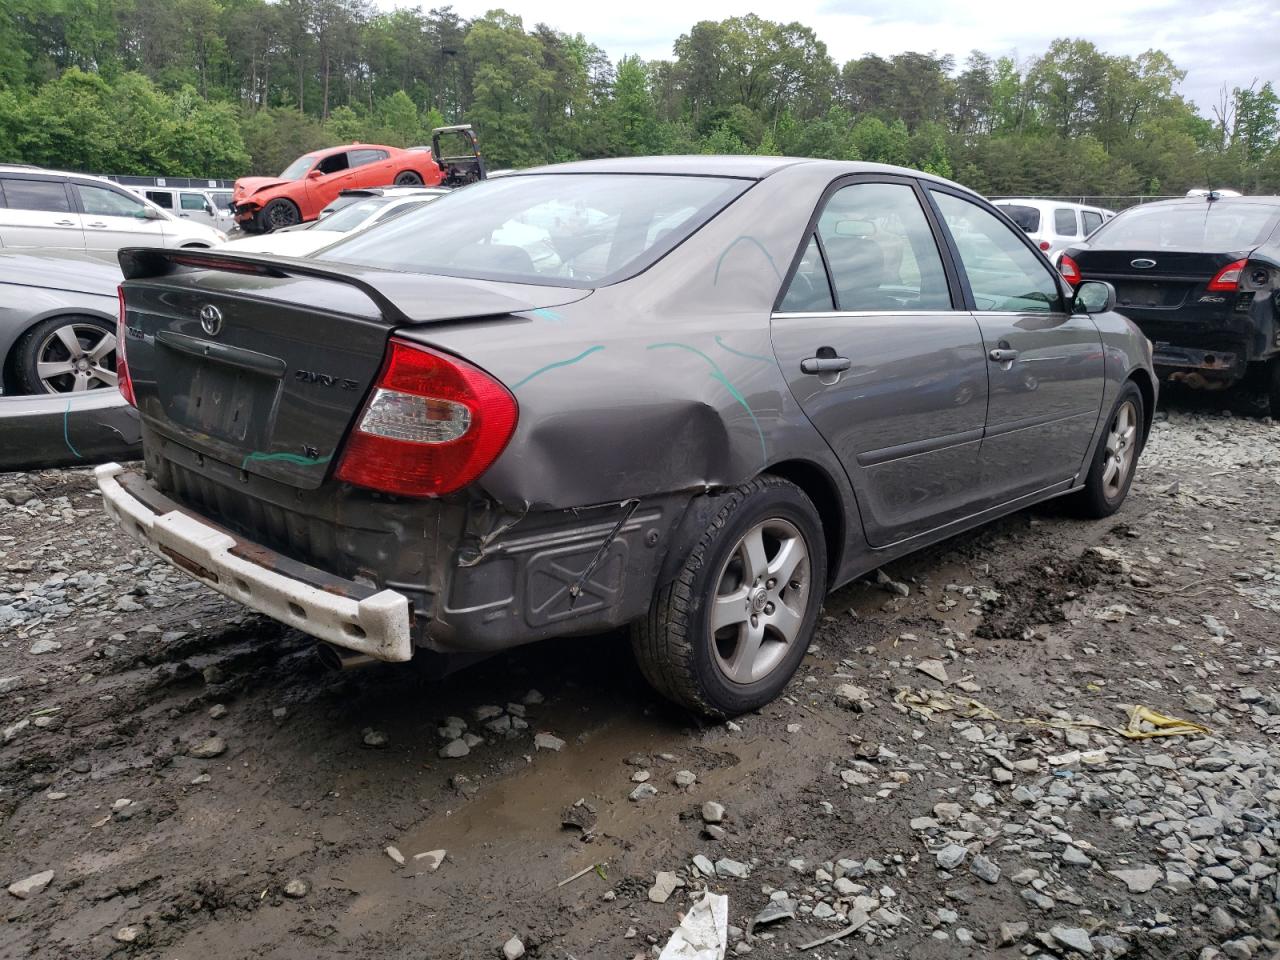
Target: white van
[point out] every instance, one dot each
(74, 211)
(198, 204)
(1053, 224)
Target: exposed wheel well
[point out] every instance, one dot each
(1143, 381)
(818, 486)
(195, 246)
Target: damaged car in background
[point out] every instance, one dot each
(59, 405)
(710, 390)
(1200, 276)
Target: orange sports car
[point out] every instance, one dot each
(312, 181)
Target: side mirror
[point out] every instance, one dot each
(315, 174)
(208, 208)
(1095, 296)
(148, 213)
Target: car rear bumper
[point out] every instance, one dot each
(343, 612)
(1220, 365)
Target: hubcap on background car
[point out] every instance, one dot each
(761, 598)
(77, 357)
(1121, 445)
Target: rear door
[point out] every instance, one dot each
(116, 218)
(883, 358)
(1045, 365)
(38, 212)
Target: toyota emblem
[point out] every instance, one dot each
(210, 319)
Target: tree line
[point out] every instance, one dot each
(228, 87)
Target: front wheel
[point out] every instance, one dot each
(277, 214)
(1111, 472)
(728, 633)
(66, 355)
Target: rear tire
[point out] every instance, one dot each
(408, 179)
(278, 213)
(759, 570)
(1116, 459)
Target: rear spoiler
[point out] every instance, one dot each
(403, 299)
(140, 263)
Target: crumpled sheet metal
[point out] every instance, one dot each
(704, 932)
(1143, 722)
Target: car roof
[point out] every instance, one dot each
(749, 167)
(343, 148)
(1264, 201)
(1042, 202)
(44, 171)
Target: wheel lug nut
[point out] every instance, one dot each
(755, 620)
(772, 583)
(768, 609)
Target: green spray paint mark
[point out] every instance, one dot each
(545, 314)
(294, 458)
(559, 363)
(729, 249)
(750, 356)
(66, 431)
(718, 374)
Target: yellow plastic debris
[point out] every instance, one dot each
(926, 703)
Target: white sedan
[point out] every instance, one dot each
(377, 207)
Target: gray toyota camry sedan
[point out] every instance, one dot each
(686, 394)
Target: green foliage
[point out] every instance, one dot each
(225, 87)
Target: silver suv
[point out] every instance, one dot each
(210, 207)
(74, 211)
(1054, 225)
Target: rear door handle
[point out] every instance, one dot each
(64, 223)
(1000, 355)
(100, 225)
(825, 364)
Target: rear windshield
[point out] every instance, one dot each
(576, 230)
(1207, 227)
(1028, 218)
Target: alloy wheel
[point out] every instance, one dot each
(762, 595)
(77, 357)
(1121, 448)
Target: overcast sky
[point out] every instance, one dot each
(1214, 43)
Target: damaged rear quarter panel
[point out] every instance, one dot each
(664, 382)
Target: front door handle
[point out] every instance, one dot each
(1001, 355)
(825, 364)
(99, 225)
(64, 223)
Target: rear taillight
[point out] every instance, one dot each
(1069, 270)
(123, 382)
(431, 426)
(1044, 245)
(1228, 278)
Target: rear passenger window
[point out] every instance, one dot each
(47, 195)
(161, 198)
(810, 290)
(1092, 221)
(1064, 222)
(880, 250)
(1004, 275)
(358, 158)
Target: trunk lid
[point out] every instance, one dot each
(266, 370)
(1162, 290)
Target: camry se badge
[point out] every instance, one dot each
(1142, 263)
(210, 319)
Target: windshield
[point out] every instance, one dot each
(1028, 218)
(298, 169)
(578, 230)
(354, 214)
(1203, 227)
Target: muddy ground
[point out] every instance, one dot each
(177, 762)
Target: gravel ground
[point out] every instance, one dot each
(946, 776)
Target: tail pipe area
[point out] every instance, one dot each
(338, 658)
